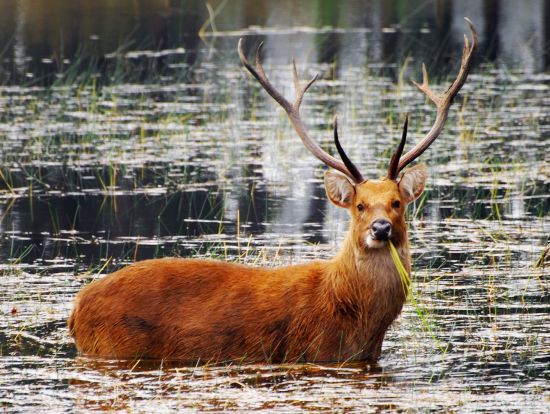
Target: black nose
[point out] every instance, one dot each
(381, 229)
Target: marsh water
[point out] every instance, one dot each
(132, 137)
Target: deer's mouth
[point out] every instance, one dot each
(378, 233)
(374, 242)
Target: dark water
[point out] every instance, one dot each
(55, 41)
(167, 147)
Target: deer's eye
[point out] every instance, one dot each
(396, 204)
(360, 207)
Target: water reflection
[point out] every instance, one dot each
(48, 40)
(196, 160)
(139, 161)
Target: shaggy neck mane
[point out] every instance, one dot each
(356, 277)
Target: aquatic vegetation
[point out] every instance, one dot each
(96, 176)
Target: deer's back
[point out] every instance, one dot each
(190, 309)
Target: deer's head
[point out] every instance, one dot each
(377, 207)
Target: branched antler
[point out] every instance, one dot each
(293, 111)
(443, 102)
(397, 162)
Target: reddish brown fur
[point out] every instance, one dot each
(322, 311)
(192, 309)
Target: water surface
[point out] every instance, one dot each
(195, 160)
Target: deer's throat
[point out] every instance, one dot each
(370, 268)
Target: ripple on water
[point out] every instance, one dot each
(94, 179)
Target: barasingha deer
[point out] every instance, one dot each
(333, 310)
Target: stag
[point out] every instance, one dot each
(333, 310)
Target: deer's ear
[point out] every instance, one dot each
(339, 188)
(412, 183)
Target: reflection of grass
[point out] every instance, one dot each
(17, 257)
(7, 182)
(211, 21)
(543, 256)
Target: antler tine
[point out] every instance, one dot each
(299, 89)
(292, 110)
(358, 178)
(424, 87)
(394, 162)
(260, 76)
(443, 102)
